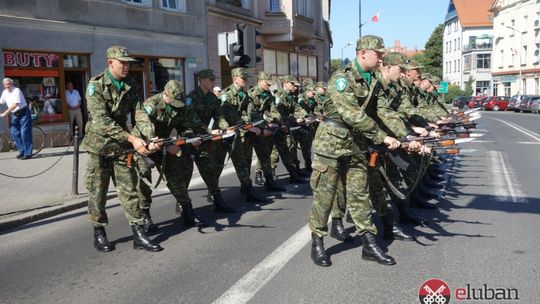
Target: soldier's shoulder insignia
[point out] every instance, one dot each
(90, 90)
(341, 84)
(148, 109)
(277, 100)
(188, 101)
(223, 97)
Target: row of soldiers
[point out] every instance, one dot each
(378, 100)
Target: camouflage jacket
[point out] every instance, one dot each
(308, 104)
(425, 108)
(262, 103)
(206, 106)
(407, 108)
(348, 96)
(321, 99)
(388, 99)
(108, 108)
(285, 108)
(166, 118)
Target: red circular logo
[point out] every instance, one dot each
(434, 291)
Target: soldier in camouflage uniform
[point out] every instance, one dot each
(234, 104)
(168, 112)
(340, 162)
(206, 106)
(287, 110)
(110, 98)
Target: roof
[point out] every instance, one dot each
(473, 13)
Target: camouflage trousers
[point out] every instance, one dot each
(260, 145)
(300, 137)
(210, 170)
(99, 171)
(241, 164)
(277, 149)
(346, 177)
(173, 172)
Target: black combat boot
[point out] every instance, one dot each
(148, 224)
(435, 176)
(431, 183)
(308, 165)
(372, 252)
(426, 192)
(417, 201)
(406, 216)
(189, 218)
(220, 205)
(141, 241)
(392, 231)
(295, 178)
(338, 231)
(252, 196)
(259, 178)
(318, 254)
(101, 243)
(270, 185)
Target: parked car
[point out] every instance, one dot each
(535, 106)
(496, 103)
(513, 105)
(461, 101)
(476, 102)
(525, 102)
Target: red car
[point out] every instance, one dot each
(476, 102)
(496, 103)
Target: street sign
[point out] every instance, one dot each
(443, 87)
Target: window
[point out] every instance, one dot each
(274, 5)
(446, 47)
(536, 55)
(536, 86)
(483, 61)
(448, 30)
(312, 66)
(238, 3)
(512, 57)
(449, 45)
(482, 87)
(269, 60)
(140, 2)
(175, 5)
(458, 65)
(495, 90)
(523, 55)
(524, 86)
(455, 45)
(502, 59)
(507, 91)
(293, 57)
(162, 70)
(455, 26)
(467, 63)
(459, 43)
(455, 66)
(302, 65)
(282, 63)
(303, 8)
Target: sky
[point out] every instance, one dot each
(410, 21)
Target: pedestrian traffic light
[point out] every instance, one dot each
(250, 44)
(237, 57)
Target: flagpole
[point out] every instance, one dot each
(359, 18)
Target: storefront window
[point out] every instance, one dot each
(43, 97)
(163, 70)
(75, 61)
(302, 65)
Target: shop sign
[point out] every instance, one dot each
(30, 59)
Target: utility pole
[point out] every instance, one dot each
(359, 18)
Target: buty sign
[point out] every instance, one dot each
(30, 60)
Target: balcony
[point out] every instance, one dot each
(484, 46)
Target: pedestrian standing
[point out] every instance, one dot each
(73, 99)
(21, 120)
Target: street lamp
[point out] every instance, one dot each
(347, 45)
(520, 56)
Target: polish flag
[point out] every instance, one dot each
(375, 18)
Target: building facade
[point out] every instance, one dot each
(516, 66)
(48, 43)
(294, 35)
(467, 45)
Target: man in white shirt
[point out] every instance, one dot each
(21, 120)
(73, 99)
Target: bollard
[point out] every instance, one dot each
(75, 180)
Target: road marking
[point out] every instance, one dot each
(243, 290)
(530, 133)
(502, 179)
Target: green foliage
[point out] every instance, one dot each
(453, 92)
(432, 56)
(334, 65)
(469, 86)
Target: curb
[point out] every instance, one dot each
(34, 216)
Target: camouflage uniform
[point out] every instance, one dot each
(207, 107)
(340, 163)
(109, 101)
(234, 104)
(166, 117)
(286, 109)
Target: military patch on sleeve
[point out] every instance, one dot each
(277, 100)
(90, 90)
(223, 97)
(148, 110)
(341, 84)
(188, 101)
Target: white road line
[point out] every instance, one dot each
(243, 290)
(530, 133)
(501, 179)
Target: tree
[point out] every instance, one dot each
(468, 86)
(453, 92)
(431, 59)
(334, 65)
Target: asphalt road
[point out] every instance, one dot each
(484, 232)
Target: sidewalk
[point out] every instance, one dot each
(29, 198)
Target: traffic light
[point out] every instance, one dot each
(236, 51)
(250, 44)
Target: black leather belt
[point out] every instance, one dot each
(20, 112)
(335, 123)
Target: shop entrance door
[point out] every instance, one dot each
(78, 78)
